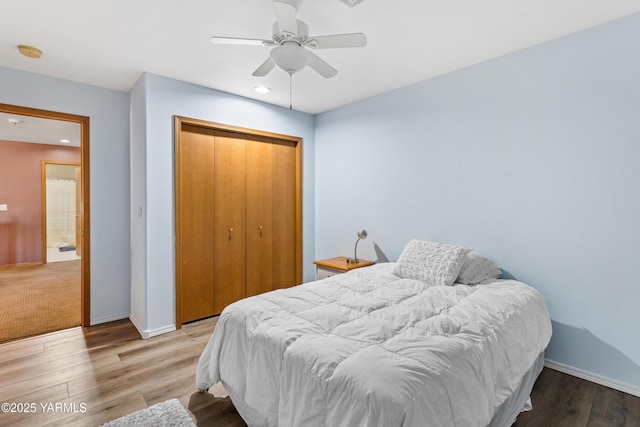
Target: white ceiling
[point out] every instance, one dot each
(110, 43)
(14, 127)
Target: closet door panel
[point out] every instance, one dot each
(194, 180)
(229, 179)
(259, 217)
(284, 214)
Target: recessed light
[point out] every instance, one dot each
(262, 89)
(65, 141)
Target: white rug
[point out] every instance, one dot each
(165, 414)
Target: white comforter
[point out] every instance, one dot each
(368, 348)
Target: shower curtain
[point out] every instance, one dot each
(61, 212)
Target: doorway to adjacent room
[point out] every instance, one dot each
(39, 227)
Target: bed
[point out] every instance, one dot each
(384, 345)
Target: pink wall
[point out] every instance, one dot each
(20, 189)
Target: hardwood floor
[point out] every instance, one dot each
(111, 372)
(107, 371)
(562, 400)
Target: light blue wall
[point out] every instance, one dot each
(138, 185)
(531, 159)
(109, 176)
(164, 98)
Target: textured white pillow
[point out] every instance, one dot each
(430, 262)
(477, 268)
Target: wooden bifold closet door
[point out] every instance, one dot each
(238, 215)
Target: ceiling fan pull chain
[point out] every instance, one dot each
(290, 91)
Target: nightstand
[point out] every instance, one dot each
(332, 266)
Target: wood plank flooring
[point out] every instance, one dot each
(107, 371)
(111, 372)
(562, 400)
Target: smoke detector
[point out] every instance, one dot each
(30, 51)
(13, 121)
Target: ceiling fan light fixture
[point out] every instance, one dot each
(290, 57)
(292, 44)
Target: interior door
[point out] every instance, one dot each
(286, 242)
(259, 215)
(230, 232)
(195, 204)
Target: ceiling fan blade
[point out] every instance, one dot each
(321, 67)
(265, 68)
(337, 41)
(286, 16)
(235, 40)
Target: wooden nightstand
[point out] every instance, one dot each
(332, 266)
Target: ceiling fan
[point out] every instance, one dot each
(291, 40)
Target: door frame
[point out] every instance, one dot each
(177, 128)
(83, 121)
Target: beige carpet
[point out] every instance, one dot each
(38, 299)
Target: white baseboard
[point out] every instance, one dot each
(133, 320)
(163, 330)
(148, 333)
(107, 319)
(594, 378)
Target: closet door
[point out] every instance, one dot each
(229, 229)
(285, 181)
(259, 215)
(238, 215)
(195, 221)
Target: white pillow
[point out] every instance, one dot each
(477, 268)
(430, 262)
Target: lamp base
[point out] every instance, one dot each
(353, 260)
